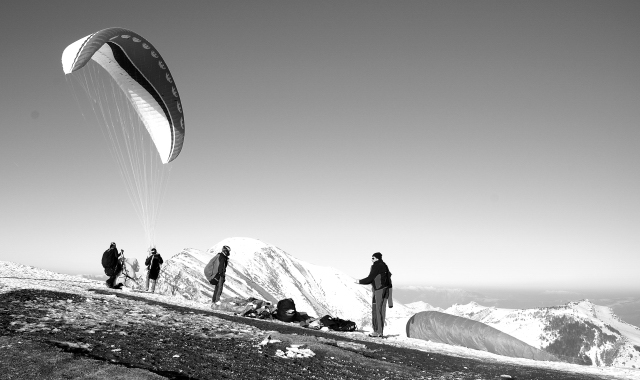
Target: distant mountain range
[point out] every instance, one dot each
(441, 297)
(626, 305)
(577, 331)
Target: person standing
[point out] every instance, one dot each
(215, 272)
(153, 263)
(380, 279)
(112, 264)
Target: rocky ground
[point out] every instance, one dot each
(89, 331)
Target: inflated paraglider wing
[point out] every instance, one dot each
(142, 74)
(450, 329)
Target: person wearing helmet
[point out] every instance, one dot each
(153, 262)
(215, 272)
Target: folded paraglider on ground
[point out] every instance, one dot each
(285, 311)
(247, 307)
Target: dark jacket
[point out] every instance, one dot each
(379, 277)
(223, 260)
(153, 262)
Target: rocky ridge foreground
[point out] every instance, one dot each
(165, 337)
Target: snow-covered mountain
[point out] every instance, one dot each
(257, 269)
(577, 331)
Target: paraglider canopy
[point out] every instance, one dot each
(141, 73)
(128, 86)
(450, 329)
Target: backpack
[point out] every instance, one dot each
(109, 261)
(209, 273)
(338, 324)
(385, 280)
(282, 307)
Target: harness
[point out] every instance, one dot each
(125, 272)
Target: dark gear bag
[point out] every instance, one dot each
(281, 310)
(338, 324)
(385, 280)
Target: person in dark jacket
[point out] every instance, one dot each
(112, 263)
(153, 263)
(219, 270)
(380, 279)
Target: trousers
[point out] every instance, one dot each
(217, 292)
(379, 309)
(153, 283)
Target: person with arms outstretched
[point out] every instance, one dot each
(380, 279)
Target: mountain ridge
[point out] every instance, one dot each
(591, 333)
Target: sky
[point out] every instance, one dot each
(473, 143)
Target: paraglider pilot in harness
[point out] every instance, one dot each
(112, 264)
(153, 263)
(380, 280)
(215, 272)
